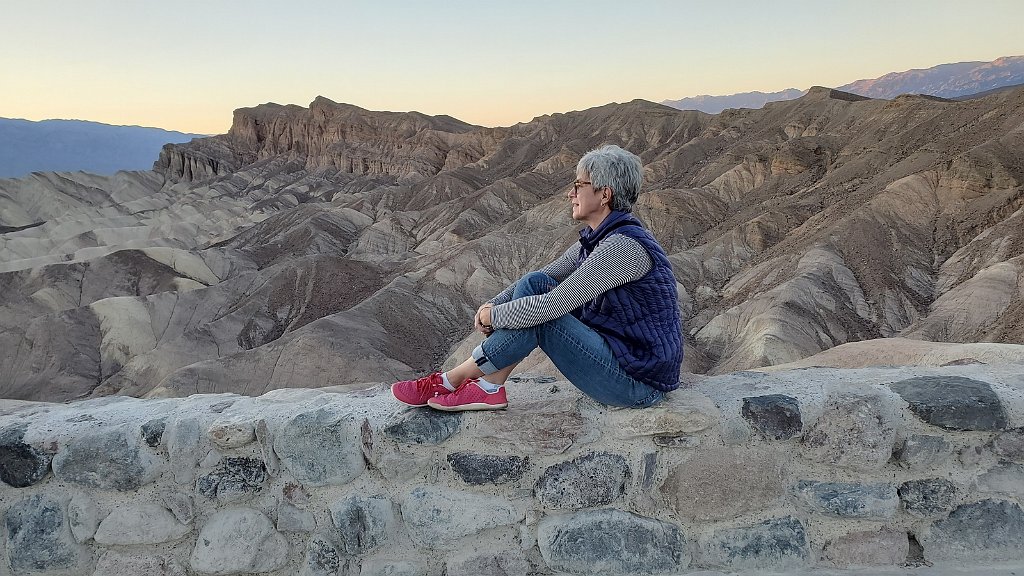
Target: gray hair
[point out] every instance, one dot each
(616, 168)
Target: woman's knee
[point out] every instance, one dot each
(534, 283)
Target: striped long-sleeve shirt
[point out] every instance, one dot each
(618, 259)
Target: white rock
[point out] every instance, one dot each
(142, 524)
(239, 541)
(83, 517)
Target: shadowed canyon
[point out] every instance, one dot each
(336, 246)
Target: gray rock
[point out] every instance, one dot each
(1010, 444)
(113, 563)
(363, 523)
(1004, 478)
(292, 519)
(153, 432)
(611, 541)
(776, 544)
(388, 567)
(683, 441)
(589, 480)
(238, 541)
(953, 402)
(21, 465)
(180, 505)
(83, 517)
(321, 447)
(108, 459)
(323, 559)
(183, 449)
(38, 538)
(724, 482)
(438, 517)
(885, 547)
(855, 431)
(509, 562)
(265, 440)
(928, 497)
(922, 452)
(234, 479)
(775, 416)
(141, 524)
(990, 530)
(541, 427)
(425, 426)
(486, 468)
(849, 500)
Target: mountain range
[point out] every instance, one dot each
(332, 245)
(65, 145)
(953, 81)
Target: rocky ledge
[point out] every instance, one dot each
(815, 469)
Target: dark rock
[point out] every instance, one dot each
(589, 480)
(107, 459)
(323, 559)
(649, 471)
(21, 465)
(424, 426)
(38, 537)
(233, 479)
(776, 416)
(684, 441)
(321, 447)
(953, 402)
(487, 468)
(849, 500)
(1010, 444)
(611, 541)
(221, 406)
(985, 530)
(153, 432)
(363, 523)
(928, 497)
(779, 543)
(921, 451)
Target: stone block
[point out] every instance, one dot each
(774, 416)
(362, 523)
(38, 538)
(923, 452)
(583, 482)
(989, 530)
(1005, 478)
(683, 412)
(509, 562)
(153, 432)
(683, 441)
(108, 459)
(232, 433)
(233, 480)
(114, 563)
(140, 524)
(292, 519)
(439, 517)
(534, 428)
(323, 559)
(321, 447)
(610, 541)
(423, 426)
(724, 482)
(775, 544)
(479, 469)
(389, 567)
(237, 541)
(21, 465)
(83, 517)
(953, 402)
(855, 431)
(849, 500)
(1009, 444)
(180, 505)
(883, 547)
(928, 497)
(183, 448)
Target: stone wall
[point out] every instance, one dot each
(801, 470)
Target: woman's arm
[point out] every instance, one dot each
(617, 260)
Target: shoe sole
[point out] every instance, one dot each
(469, 407)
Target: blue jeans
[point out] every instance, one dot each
(577, 350)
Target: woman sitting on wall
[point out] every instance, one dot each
(606, 312)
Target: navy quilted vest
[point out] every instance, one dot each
(640, 319)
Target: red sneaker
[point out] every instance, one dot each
(470, 397)
(417, 392)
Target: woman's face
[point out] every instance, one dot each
(589, 205)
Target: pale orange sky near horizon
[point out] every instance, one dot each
(186, 66)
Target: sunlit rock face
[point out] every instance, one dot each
(333, 246)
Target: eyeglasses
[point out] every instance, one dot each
(579, 184)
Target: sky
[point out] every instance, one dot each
(187, 64)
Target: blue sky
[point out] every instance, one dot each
(185, 65)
